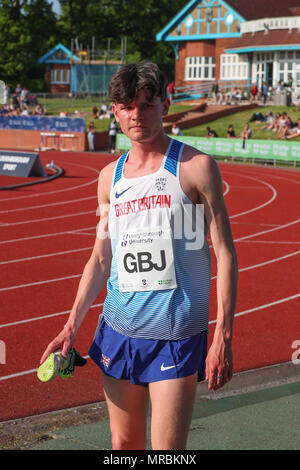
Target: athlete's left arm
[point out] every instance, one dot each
(219, 363)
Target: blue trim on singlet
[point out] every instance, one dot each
(119, 168)
(172, 158)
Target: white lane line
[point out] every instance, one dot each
(43, 317)
(245, 312)
(265, 263)
(72, 188)
(246, 237)
(47, 219)
(273, 242)
(261, 307)
(39, 283)
(52, 204)
(254, 209)
(47, 255)
(46, 235)
(227, 188)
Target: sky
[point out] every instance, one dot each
(56, 6)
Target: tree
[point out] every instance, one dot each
(137, 20)
(27, 30)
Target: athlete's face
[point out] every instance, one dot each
(141, 120)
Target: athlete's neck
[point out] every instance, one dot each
(148, 151)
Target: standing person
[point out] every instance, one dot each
(254, 93)
(112, 135)
(264, 92)
(150, 342)
(171, 91)
(91, 136)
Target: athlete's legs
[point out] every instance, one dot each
(172, 403)
(127, 406)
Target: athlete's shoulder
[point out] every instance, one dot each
(199, 166)
(105, 180)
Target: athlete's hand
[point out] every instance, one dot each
(219, 364)
(63, 341)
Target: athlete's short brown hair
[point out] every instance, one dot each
(131, 78)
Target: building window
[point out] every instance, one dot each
(234, 67)
(200, 68)
(60, 76)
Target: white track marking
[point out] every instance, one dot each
(265, 263)
(47, 255)
(43, 317)
(47, 219)
(261, 307)
(269, 201)
(27, 196)
(267, 231)
(227, 186)
(39, 283)
(245, 312)
(46, 235)
(270, 242)
(42, 206)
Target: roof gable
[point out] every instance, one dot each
(58, 55)
(203, 19)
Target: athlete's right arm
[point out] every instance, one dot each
(94, 275)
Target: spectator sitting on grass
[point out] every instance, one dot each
(269, 120)
(230, 132)
(211, 132)
(291, 133)
(176, 129)
(246, 132)
(285, 125)
(95, 112)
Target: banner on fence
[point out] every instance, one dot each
(43, 123)
(255, 149)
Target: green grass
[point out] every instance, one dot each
(238, 120)
(84, 106)
(55, 105)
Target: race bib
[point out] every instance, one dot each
(145, 260)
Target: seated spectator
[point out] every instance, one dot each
(257, 117)
(269, 120)
(246, 132)
(211, 132)
(25, 110)
(291, 133)
(95, 112)
(40, 110)
(235, 95)
(176, 129)
(230, 132)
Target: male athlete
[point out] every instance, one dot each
(151, 339)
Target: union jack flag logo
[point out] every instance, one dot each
(105, 360)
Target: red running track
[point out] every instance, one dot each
(47, 232)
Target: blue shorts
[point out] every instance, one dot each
(142, 360)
